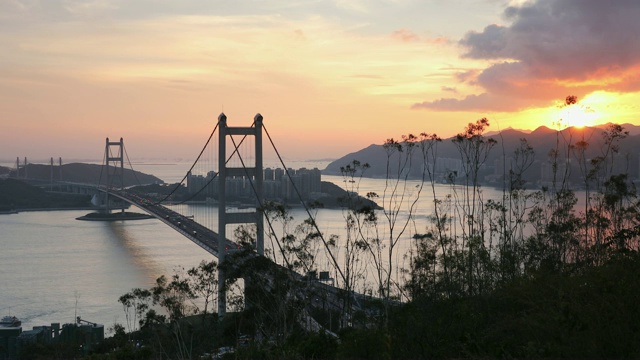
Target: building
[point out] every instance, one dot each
(278, 184)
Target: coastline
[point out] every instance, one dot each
(17, 211)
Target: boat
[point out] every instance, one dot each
(10, 321)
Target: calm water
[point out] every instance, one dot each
(53, 267)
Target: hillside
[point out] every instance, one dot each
(337, 197)
(85, 173)
(17, 195)
(543, 140)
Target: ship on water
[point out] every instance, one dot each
(10, 321)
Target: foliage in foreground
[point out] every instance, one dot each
(527, 275)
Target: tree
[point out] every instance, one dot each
(474, 149)
(162, 313)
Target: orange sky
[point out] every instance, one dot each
(329, 77)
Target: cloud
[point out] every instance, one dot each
(352, 5)
(88, 9)
(482, 102)
(405, 35)
(550, 49)
(449, 89)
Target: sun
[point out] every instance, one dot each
(592, 110)
(578, 115)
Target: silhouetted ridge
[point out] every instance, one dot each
(542, 140)
(16, 195)
(86, 173)
(542, 130)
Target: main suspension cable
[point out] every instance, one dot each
(192, 166)
(130, 166)
(315, 225)
(260, 203)
(104, 159)
(210, 180)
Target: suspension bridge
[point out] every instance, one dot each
(224, 163)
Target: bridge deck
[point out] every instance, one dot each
(201, 235)
(319, 292)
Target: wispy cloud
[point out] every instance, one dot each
(449, 89)
(406, 35)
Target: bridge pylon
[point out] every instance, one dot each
(24, 167)
(224, 217)
(117, 159)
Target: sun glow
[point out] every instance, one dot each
(583, 113)
(578, 115)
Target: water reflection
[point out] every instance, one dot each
(127, 246)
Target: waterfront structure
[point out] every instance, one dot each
(13, 338)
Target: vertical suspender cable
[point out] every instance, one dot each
(333, 259)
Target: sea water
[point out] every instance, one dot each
(54, 268)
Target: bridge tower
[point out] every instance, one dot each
(118, 164)
(23, 167)
(51, 182)
(224, 217)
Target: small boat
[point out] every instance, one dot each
(10, 321)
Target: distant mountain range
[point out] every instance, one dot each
(543, 140)
(632, 129)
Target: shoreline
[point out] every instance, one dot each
(17, 211)
(117, 216)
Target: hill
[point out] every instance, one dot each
(17, 195)
(543, 140)
(85, 173)
(337, 197)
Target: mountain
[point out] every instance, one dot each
(632, 129)
(543, 140)
(497, 132)
(18, 195)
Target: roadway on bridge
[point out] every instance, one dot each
(194, 231)
(320, 295)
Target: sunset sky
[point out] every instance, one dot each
(329, 76)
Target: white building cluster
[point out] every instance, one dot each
(278, 184)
